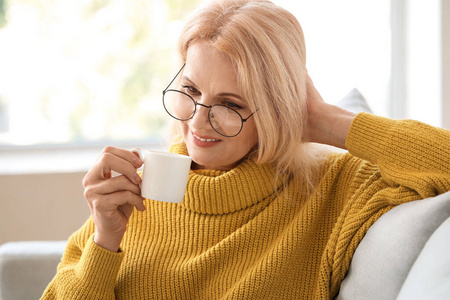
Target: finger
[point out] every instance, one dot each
(312, 93)
(126, 210)
(126, 197)
(309, 84)
(115, 184)
(127, 155)
(108, 162)
(113, 159)
(106, 204)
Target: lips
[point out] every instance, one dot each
(204, 138)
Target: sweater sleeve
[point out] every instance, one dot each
(408, 153)
(86, 270)
(397, 161)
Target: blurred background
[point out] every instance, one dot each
(76, 76)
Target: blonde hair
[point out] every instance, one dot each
(266, 45)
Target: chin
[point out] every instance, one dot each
(210, 164)
(201, 163)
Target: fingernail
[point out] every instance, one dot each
(137, 178)
(137, 161)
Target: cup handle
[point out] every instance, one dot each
(139, 152)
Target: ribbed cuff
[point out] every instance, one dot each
(98, 268)
(369, 135)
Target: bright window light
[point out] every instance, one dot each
(348, 45)
(87, 71)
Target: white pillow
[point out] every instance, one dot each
(390, 247)
(429, 278)
(355, 102)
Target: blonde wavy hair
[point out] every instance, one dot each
(266, 45)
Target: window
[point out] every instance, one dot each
(91, 72)
(348, 45)
(83, 71)
(391, 50)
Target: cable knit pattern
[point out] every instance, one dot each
(240, 235)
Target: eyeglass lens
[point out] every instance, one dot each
(224, 120)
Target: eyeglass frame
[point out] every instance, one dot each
(243, 120)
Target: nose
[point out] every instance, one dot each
(200, 119)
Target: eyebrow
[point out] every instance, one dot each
(226, 94)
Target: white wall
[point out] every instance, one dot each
(41, 206)
(445, 34)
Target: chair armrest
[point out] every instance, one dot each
(429, 277)
(390, 248)
(26, 268)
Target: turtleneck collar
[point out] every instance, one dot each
(222, 192)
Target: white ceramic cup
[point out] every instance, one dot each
(165, 175)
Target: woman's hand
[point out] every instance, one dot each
(327, 124)
(112, 199)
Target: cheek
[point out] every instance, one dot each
(253, 144)
(183, 128)
(247, 142)
(252, 135)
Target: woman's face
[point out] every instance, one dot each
(210, 78)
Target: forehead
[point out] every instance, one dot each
(210, 68)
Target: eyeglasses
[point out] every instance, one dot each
(225, 120)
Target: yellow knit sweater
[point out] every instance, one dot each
(233, 237)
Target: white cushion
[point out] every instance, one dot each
(26, 268)
(355, 102)
(392, 244)
(429, 278)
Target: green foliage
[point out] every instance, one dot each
(2, 13)
(179, 9)
(136, 86)
(95, 6)
(76, 119)
(154, 123)
(99, 66)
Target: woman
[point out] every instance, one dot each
(265, 215)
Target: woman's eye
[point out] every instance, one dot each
(190, 90)
(232, 105)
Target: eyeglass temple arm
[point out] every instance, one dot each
(245, 120)
(174, 78)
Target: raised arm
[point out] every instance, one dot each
(327, 124)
